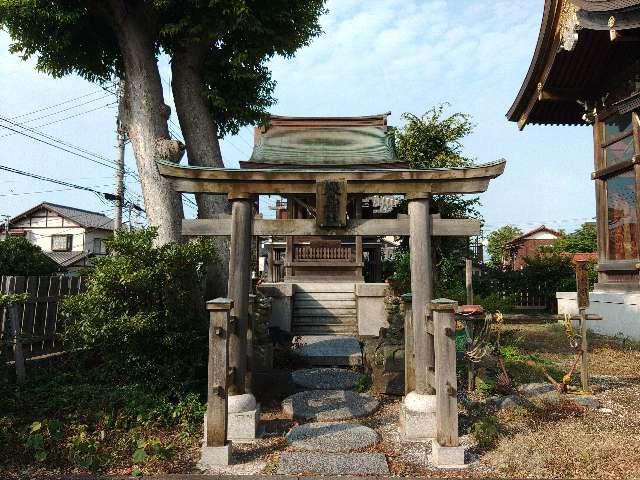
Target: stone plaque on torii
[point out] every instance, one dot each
(333, 172)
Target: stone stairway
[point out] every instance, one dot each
(324, 308)
(332, 444)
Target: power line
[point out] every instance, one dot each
(54, 139)
(65, 118)
(48, 179)
(57, 104)
(58, 147)
(63, 110)
(48, 191)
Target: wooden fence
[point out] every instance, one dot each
(38, 318)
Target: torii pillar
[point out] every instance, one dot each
(418, 411)
(243, 411)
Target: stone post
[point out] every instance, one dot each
(445, 448)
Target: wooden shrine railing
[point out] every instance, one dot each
(313, 254)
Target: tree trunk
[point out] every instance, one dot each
(203, 149)
(146, 118)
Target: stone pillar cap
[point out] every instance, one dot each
(220, 303)
(443, 304)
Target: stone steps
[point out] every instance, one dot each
(323, 330)
(330, 446)
(316, 463)
(332, 349)
(324, 308)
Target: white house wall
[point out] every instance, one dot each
(541, 236)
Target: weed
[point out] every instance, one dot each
(363, 383)
(486, 432)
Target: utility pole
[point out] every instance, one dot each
(117, 224)
(7, 218)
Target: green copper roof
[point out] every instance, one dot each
(324, 143)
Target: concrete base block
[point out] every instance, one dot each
(212, 457)
(447, 457)
(242, 427)
(418, 417)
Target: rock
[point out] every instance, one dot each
(331, 437)
(607, 411)
(312, 463)
(331, 350)
(325, 378)
(588, 401)
(510, 401)
(329, 405)
(535, 389)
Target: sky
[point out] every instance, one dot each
(373, 57)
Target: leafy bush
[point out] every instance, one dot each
(143, 308)
(18, 256)
(486, 432)
(496, 302)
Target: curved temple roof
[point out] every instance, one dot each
(324, 142)
(573, 54)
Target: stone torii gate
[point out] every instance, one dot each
(331, 161)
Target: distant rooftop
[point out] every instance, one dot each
(85, 218)
(324, 141)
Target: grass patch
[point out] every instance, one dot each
(486, 432)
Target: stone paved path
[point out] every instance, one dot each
(330, 446)
(331, 350)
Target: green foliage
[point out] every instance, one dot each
(541, 276)
(434, 140)
(486, 432)
(18, 256)
(76, 413)
(497, 240)
(582, 240)
(485, 387)
(13, 299)
(143, 307)
(363, 384)
(239, 38)
(496, 302)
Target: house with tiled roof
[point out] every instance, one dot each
(69, 236)
(528, 245)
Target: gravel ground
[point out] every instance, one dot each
(537, 440)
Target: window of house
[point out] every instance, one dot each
(61, 243)
(99, 246)
(618, 170)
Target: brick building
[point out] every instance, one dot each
(527, 245)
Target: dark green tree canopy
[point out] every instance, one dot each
(18, 256)
(433, 140)
(76, 36)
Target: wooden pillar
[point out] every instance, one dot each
(409, 365)
(359, 256)
(13, 313)
(468, 271)
(288, 258)
(444, 332)
(218, 371)
(421, 289)
(239, 286)
(582, 284)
